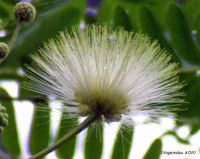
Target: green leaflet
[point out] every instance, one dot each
(106, 11)
(40, 129)
(191, 9)
(181, 35)
(197, 26)
(121, 19)
(9, 1)
(5, 10)
(178, 138)
(67, 150)
(194, 129)
(94, 141)
(10, 133)
(123, 141)
(90, 19)
(11, 76)
(45, 6)
(191, 110)
(154, 150)
(149, 26)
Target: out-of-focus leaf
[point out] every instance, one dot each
(66, 150)
(181, 35)
(123, 143)
(191, 9)
(10, 1)
(154, 150)
(197, 27)
(94, 142)
(179, 139)
(149, 26)
(40, 129)
(182, 141)
(6, 10)
(10, 133)
(44, 28)
(121, 19)
(10, 74)
(192, 90)
(157, 7)
(28, 93)
(44, 6)
(106, 11)
(90, 19)
(194, 129)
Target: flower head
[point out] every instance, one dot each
(24, 11)
(114, 74)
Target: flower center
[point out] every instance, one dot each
(108, 103)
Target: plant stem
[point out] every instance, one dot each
(15, 35)
(89, 120)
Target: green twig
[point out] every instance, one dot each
(15, 35)
(90, 119)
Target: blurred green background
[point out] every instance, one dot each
(175, 24)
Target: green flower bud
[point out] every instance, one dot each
(24, 12)
(3, 118)
(4, 50)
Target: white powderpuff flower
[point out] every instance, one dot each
(113, 74)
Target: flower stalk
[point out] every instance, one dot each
(89, 120)
(15, 35)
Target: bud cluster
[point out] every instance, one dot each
(24, 12)
(4, 50)
(3, 118)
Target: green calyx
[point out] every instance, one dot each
(24, 12)
(109, 104)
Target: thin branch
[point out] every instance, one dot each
(15, 35)
(90, 119)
